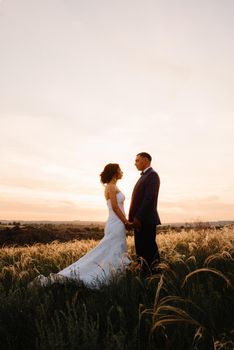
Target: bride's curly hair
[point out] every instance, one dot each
(109, 172)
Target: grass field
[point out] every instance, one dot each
(190, 305)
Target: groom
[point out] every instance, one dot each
(143, 212)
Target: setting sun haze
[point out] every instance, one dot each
(86, 83)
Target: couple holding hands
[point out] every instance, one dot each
(110, 255)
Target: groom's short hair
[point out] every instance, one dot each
(146, 155)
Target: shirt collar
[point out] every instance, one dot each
(144, 171)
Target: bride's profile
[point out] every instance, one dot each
(110, 255)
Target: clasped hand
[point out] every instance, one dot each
(129, 225)
(136, 224)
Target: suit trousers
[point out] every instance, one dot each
(145, 244)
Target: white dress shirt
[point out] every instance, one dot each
(146, 169)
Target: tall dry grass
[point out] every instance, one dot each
(188, 306)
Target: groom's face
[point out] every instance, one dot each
(141, 163)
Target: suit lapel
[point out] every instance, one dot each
(139, 181)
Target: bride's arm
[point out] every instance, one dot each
(114, 203)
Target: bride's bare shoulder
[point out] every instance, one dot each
(110, 188)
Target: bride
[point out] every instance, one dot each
(110, 255)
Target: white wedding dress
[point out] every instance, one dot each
(98, 265)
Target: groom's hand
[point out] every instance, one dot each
(128, 225)
(137, 224)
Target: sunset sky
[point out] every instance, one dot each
(86, 83)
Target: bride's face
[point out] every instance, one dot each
(119, 174)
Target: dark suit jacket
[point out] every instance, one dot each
(144, 199)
